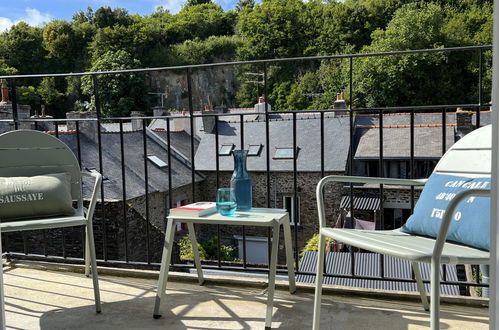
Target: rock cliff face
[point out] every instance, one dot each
(216, 84)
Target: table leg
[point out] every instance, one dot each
(197, 262)
(272, 271)
(165, 266)
(288, 245)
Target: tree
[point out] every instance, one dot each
(48, 91)
(22, 49)
(106, 17)
(119, 93)
(245, 5)
(274, 29)
(196, 2)
(418, 79)
(63, 45)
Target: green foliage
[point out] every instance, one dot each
(207, 250)
(119, 93)
(274, 29)
(62, 44)
(196, 2)
(22, 48)
(5, 69)
(28, 95)
(313, 244)
(419, 79)
(204, 51)
(245, 5)
(107, 17)
(186, 252)
(48, 91)
(202, 32)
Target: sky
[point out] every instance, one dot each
(38, 12)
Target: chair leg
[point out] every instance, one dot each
(419, 282)
(87, 254)
(435, 295)
(93, 261)
(318, 283)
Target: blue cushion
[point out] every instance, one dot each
(471, 222)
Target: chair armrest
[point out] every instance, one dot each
(449, 213)
(93, 199)
(357, 179)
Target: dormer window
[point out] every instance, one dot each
(254, 150)
(226, 149)
(284, 153)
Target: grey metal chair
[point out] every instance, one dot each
(27, 153)
(470, 156)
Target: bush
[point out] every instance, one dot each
(312, 244)
(207, 250)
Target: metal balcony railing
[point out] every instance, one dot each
(126, 261)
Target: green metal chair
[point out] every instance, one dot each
(31, 153)
(470, 156)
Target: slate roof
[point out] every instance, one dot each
(397, 142)
(180, 141)
(428, 132)
(367, 264)
(134, 164)
(336, 144)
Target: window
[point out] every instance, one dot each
(289, 205)
(226, 149)
(157, 161)
(254, 149)
(94, 170)
(284, 153)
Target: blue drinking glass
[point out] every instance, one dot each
(226, 201)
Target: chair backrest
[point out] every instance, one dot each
(471, 156)
(31, 153)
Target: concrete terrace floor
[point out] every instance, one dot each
(52, 296)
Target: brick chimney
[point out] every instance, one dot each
(464, 123)
(5, 91)
(137, 124)
(340, 104)
(87, 127)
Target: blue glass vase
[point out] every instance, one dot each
(241, 181)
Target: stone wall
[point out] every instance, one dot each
(216, 84)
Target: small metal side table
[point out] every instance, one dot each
(273, 218)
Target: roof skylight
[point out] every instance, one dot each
(226, 149)
(283, 153)
(157, 161)
(254, 149)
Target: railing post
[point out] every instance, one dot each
(99, 143)
(350, 161)
(191, 122)
(480, 86)
(146, 189)
(123, 187)
(13, 89)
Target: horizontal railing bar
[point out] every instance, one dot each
(232, 114)
(155, 266)
(287, 59)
